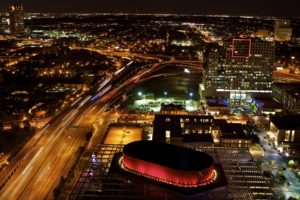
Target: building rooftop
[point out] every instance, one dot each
(267, 103)
(198, 138)
(220, 121)
(168, 155)
(216, 102)
(173, 123)
(286, 122)
(170, 107)
(229, 130)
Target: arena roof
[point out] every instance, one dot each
(168, 155)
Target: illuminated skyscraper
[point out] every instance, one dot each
(16, 16)
(241, 70)
(2, 23)
(283, 30)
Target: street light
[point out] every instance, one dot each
(165, 93)
(140, 93)
(191, 94)
(187, 71)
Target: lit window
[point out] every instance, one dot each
(287, 136)
(293, 136)
(182, 125)
(168, 134)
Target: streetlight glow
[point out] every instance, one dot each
(187, 71)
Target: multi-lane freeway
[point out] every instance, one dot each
(51, 155)
(281, 76)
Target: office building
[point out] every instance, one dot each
(2, 25)
(282, 30)
(191, 130)
(183, 129)
(240, 70)
(288, 94)
(16, 16)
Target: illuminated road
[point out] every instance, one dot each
(51, 157)
(123, 54)
(285, 77)
(158, 58)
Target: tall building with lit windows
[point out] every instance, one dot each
(283, 30)
(2, 25)
(240, 70)
(16, 16)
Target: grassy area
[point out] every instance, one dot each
(153, 105)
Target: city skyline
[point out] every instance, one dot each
(214, 7)
(148, 106)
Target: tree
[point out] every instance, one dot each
(259, 163)
(15, 127)
(88, 135)
(27, 125)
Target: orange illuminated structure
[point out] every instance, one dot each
(169, 164)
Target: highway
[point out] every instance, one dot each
(157, 58)
(49, 155)
(280, 76)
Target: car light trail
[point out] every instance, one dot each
(104, 83)
(76, 101)
(84, 101)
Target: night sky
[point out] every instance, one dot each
(232, 7)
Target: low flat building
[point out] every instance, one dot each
(175, 128)
(217, 106)
(199, 130)
(234, 135)
(267, 106)
(286, 131)
(172, 109)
